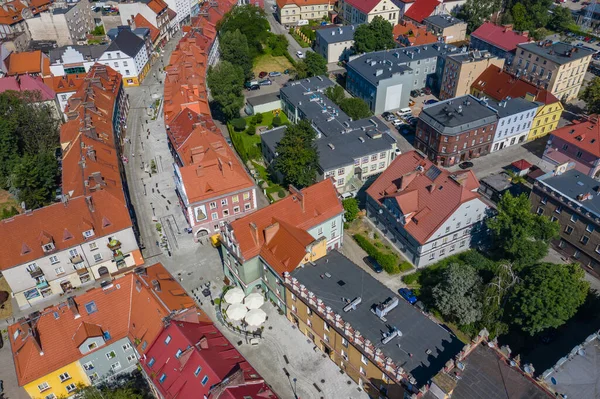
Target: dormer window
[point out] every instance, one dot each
(48, 247)
(88, 233)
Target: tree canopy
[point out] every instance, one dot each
(356, 108)
(351, 209)
(335, 93)
(548, 296)
(591, 96)
(297, 158)
(251, 22)
(374, 36)
(226, 82)
(312, 65)
(521, 235)
(560, 19)
(475, 12)
(278, 44)
(234, 49)
(456, 296)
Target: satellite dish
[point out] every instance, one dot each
(553, 380)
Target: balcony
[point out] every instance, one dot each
(76, 259)
(41, 285)
(37, 272)
(113, 245)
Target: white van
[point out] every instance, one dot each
(404, 112)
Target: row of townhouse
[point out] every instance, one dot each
(91, 233)
(108, 331)
(350, 151)
(212, 185)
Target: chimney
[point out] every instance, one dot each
(91, 153)
(270, 232)
(254, 232)
(73, 306)
(525, 33)
(156, 285)
(431, 187)
(90, 203)
(507, 28)
(298, 194)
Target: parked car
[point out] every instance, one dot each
(262, 74)
(266, 82)
(254, 87)
(300, 54)
(274, 74)
(386, 115)
(465, 165)
(372, 263)
(408, 295)
(397, 122)
(415, 93)
(432, 101)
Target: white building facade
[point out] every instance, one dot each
(515, 117)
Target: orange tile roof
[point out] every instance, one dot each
(420, 197)
(62, 224)
(583, 135)
(65, 84)
(12, 12)
(157, 6)
(125, 311)
(211, 168)
(418, 35)
(285, 246)
(295, 214)
(31, 62)
(497, 84)
(141, 22)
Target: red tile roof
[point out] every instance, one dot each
(28, 62)
(408, 34)
(12, 12)
(119, 311)
(281, 228)
(421, 10)
(427, 202)
(62, 224)
(65, 84)
(497, 84)
(141, 22)
(27, 83)
(583, 135)
(365, 6)
(157, 6)
(219, 362)
(211, 168)
(521, 164)
(500, 36)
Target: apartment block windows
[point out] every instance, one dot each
(364, 359)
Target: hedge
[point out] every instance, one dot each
(238, 124)
(388, 261)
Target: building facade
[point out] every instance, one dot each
(335, 44)
(66, 25)
(456, 130)
(291, 12)
(557, 67)
(360, 12)
(570, 197)
(154, 11)
(577, 143)
(447, 28)
(301, 228)
(69, 60)
(127, 54)
(515, 117)
(461, 70)
(405, 203)
(500, 41)
(14, 13)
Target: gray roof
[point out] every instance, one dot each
(127, 42)
(381, 65)
(573, 183)
(465, 56)
(270, 138)
(488, 376)
(62, 10)
(419, 333)
(457, 115)
(579, 376)
(499, 181)
(512, 106)
(91, 52)
(263, 99)
(559, 52)
(443, 21)
(336, 34)
(349, 139)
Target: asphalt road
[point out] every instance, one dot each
(279, 29)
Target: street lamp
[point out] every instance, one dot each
(295, 391)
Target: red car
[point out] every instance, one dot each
(262, 74)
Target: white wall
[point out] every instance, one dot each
(130, 10)
(512, 128)
(332, 229)
(70, 56)
(124, 64)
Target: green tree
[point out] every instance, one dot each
(298, 159)
(521, 17)
(226, 82)
(9, 212)
(548, 296)
(356, 108)
(351, 209)
(561, 19)
(475, 12)
(374, 36)
(335, 93)
(495, 295)
(457, 296)
(234, 48)
(312, 65)
(278, 44)
(251, 21)
(98, 30)
(34, 179)
(521, 235)
(590, 95)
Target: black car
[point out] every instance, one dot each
(254, 87)
(415, 93)
(386, 115)
(373, 264)
(465, 165)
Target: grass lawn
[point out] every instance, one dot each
(7, 201)
(300, 41)
(269, 63)
(252, 141)
(264, 175)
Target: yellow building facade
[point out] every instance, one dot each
(129, 81)
(59, 383)
(545, 120)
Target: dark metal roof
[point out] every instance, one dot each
(443, 21)
(263, 99)
(419, 333)
(336, 34)
(573, 183)
(559, 52)
(457, 115)
(92, 52)
(127, 42)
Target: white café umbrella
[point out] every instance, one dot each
(255, 317)
(254, 300)
(234, 295)
(236, 312)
